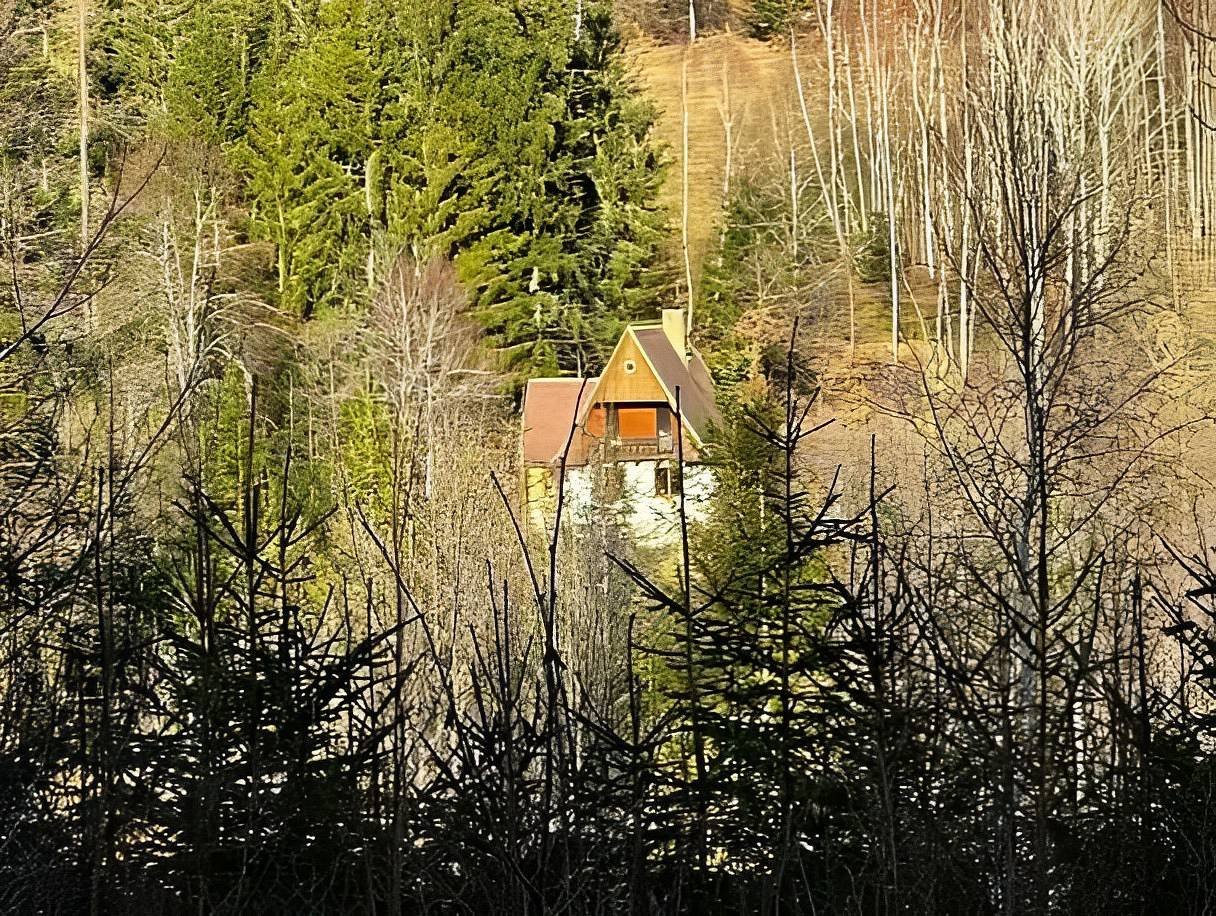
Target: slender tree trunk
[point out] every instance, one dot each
(82, 85)
(892, 242)
(684, 189)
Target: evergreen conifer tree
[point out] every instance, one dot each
(482, 133)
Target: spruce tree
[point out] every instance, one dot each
(311, 137)
(481, 133)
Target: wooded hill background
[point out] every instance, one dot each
(273, 638)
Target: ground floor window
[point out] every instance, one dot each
(666, 479)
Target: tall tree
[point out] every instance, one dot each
(490, 136)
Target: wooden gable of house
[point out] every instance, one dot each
(628, 376)
(631, 388)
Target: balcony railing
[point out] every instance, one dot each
(660, 446)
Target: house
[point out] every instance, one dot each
(614, 441)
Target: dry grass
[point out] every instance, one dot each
(730, 79)
(748, 84)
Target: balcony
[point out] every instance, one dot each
(638, 449)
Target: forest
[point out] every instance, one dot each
(279, 631)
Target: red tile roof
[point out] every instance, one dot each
(551, 411)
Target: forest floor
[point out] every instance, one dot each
(733, 83)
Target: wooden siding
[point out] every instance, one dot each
(617, 385)
(597, 422)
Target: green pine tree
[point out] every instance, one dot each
(306, 153)
(478, 132)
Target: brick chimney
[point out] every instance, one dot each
(675, 326)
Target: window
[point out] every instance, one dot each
(666, 480)
(664, 418)
(664, 425)
(630, 367)
(637, 423)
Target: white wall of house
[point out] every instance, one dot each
(653, 518)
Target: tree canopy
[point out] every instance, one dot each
(509, 139)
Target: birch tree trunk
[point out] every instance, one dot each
(684, 186)
(82, 81)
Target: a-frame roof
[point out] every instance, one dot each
(555, 409)
(690, 377)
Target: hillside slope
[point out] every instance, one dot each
(739, 93)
